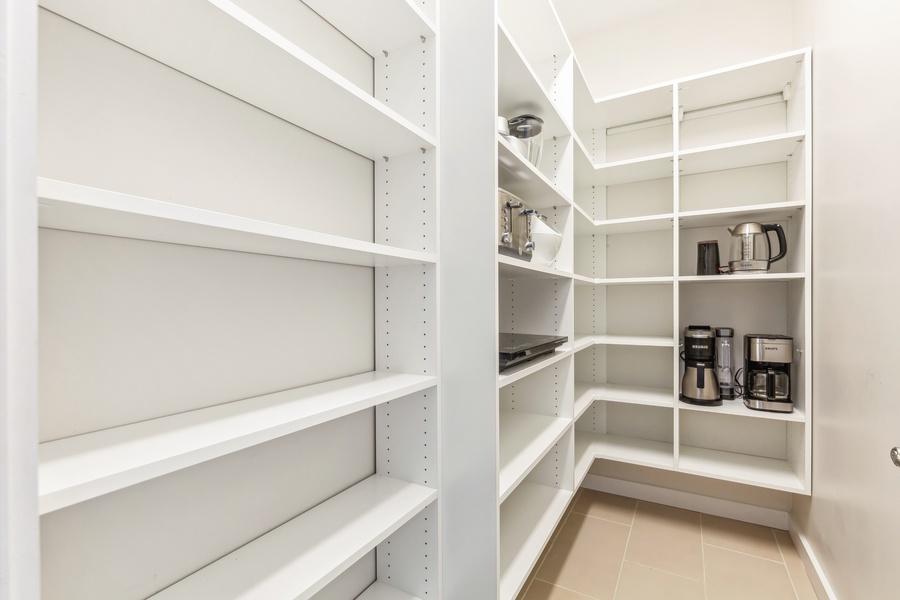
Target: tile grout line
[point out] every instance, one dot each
(703, 557)
(784, 560)
(777, 562)
(563, 588)
(625, 550)
(537, 567)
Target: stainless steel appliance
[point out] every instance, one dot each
(708, 257)
(529, 129)
(767, 372)
(751, 250)
(699, 385)
(516, 348)
(525, 233)
(724, 362)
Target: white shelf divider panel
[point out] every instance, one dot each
(219, 43)
(86, 209)
(626, 225)
(527, 520)
(632, 450)
(519, 89)
(746, 153)
(625, 394)
(382, 591)
(740, 468)
(584, 456)
(78, 468)
(520, 177)
(583, 341)
(763, 213)
(524, 440)
(514, 374)
(513, 268)
(299, 558)
(376, 26)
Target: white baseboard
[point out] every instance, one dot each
(769, 517)
(813, 567)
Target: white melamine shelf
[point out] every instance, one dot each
(621, 448)
(524, 440)
(625, 225)
(741, 468)
(762, 213)
(86, 209)
(645, 168)
(630, 107)
(527, 520)
(736, 408)
(735, 278)
(514, 374)
(514, 268)
(519, 91)
(299, 558)
(580, 280)
(749, 80)
(584, 340)
(382, 591)
(745, 153)
(86, 466)
(220, 44)
(521, 178)
(377, 26)
(586, 393)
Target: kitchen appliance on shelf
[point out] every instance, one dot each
(724, 362)
(751, 250)
(699, 384)
(708, 257)
(524, 232)
(516, 348)
(767, 372)
(529, 129)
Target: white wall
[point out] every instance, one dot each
(690, 37)
(851, 522)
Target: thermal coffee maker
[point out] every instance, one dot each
(699, 385)
(767, 372)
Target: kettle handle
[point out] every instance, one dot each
(782, 242)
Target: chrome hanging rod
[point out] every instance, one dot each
(709, 111)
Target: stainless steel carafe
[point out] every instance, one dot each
(751, 251)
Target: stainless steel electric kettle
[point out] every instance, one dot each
(751, 251)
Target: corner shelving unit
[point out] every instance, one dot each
(740, 137)
(360, 517)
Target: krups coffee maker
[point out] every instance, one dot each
(767, 372)
(699, 385)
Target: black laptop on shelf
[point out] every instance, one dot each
(516, 348)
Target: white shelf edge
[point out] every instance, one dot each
(736, 408)
(608, 166)
(648, 453)
(623, 394)
(86, 466)
(745, 65)
(528, 270)
(584, 340)
(771, 277)
(299, 558)
(527, 520)
(740, 468)
(747, 208)
(529, 436)
(514, 374)
(741, 143)
(381, 591)
(624, 280)
(85, 209)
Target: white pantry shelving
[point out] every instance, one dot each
(239, 300)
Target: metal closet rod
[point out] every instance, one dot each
(700, 113)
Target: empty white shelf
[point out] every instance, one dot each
(86, 466)
(585, 393)
(763, 213)
(625, 225)
(382, 591)
(524, 440)
(527, 520)
(581, 280)
(219, 43)
(520, 177)
(86, 209)
(644, 168)
(636, 106)
(514, 268)
(745, 153)
(741, 468)
(299, 558)
(650, 453)
(376, 26)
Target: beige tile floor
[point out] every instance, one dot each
(613, 548)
